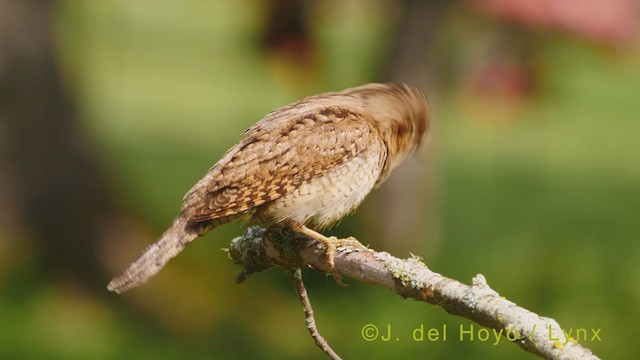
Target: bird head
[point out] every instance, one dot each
(401, 115)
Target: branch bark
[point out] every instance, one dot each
(259, 249)
(310, 320)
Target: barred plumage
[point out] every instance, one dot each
(309, 163)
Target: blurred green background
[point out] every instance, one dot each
(530, 176)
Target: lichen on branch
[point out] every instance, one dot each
(259, 249)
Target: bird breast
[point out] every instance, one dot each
(325, 200)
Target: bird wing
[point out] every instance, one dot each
(276, 158)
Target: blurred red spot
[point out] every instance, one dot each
(601, 20)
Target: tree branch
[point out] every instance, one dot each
(259, 250)
(310, 321)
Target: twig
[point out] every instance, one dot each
(310, 321)
(258, 250)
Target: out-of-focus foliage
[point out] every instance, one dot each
(535, 164)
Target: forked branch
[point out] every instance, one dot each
(259, 250)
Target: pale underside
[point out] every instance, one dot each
(325, 200)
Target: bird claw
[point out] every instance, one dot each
(329, 251)
(331, 244)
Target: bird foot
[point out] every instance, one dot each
(347, 242)
(331, 244)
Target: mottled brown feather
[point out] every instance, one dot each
(269, 164)
(309, 163)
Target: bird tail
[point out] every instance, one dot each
(155, 257)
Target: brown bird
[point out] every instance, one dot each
(305, 166)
